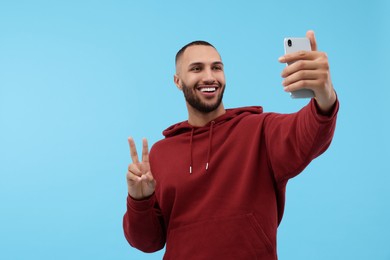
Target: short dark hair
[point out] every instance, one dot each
(181, 51)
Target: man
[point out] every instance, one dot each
(214, 188)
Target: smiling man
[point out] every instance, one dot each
(214, 187)
(200, 75)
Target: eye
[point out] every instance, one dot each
(195, 69)
(217, 67)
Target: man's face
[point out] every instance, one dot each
(199, 73)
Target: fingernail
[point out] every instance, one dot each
(282, 59)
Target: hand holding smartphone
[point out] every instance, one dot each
(292, 45)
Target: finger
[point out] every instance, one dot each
(132, 177)
(145, 150)
(301, 84)
(297, 66)
(150, 178)
(312, 38)
(295, 56)
(300, 75)
(133, 168)
(133, 150)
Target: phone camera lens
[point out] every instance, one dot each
(289, 43)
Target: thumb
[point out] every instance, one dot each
(312, 38)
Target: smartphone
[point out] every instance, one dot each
(291, 45)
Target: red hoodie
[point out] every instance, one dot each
(220, 190)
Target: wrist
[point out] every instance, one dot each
(326, 103)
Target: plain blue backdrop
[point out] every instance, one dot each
(78, 77)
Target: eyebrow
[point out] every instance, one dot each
(201, 63)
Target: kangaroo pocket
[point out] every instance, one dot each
(237, 237)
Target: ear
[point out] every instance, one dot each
(176, 80)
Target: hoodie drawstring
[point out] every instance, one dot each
(209, 146)
(192, 137)
(209, 149)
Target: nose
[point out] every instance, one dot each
(208, 77)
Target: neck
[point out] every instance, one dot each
(199, 119)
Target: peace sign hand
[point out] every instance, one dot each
(140, 181)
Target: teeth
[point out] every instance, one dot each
(207, 89)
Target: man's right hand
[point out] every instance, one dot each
(140, 181)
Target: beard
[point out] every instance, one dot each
(196, 103)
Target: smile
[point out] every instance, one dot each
(207, 89)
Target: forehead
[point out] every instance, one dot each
(200, 54)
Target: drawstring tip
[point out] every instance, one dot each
(207, 166)
(190, 169)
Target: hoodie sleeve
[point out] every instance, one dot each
(143, 224)
(294, 140)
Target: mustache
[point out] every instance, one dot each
(214, 84)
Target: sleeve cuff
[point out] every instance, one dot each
(140, 205)
(321, 117)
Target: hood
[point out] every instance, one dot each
(184, 127)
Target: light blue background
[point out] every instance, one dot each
(78, 77)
